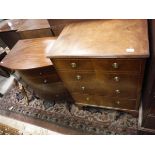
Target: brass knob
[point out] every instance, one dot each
(87, 98)
(40, 73)
(117, 91)
(78, 77)
(45, 81)
(83, 88)
(118, 102)
(115, 65)
(73, 65)
(116, 78)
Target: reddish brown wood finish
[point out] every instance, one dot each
(96, 52)
(29, 54)
(57, 25)
(35, 28)
(8, 30)
(103, 39)
(28, 58)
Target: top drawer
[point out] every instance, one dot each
(120, 65)
(73, 64)
(49, 70)
(107, 65)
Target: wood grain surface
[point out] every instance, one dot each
(29, 54)
(103, 39)
(33, 24)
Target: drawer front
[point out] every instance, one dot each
(77, 76)
(94, 100)
(99, 89)
(44, 71)
(106, 65)
(81, 87)
(51, 91)
(119, 85)
(120, 65)
(73, 64)
(118, 79)
(44, 79)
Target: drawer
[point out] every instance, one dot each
(118, 92)
(81, 87)
(98, 88)
(77, 76)
(39, 71)
(118, 79)
(120, 85)
(100, 101)
(73, 64)
(51, 91)
(120, 65)
(45, 79)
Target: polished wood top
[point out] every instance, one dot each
(103, 39)
(29, 54)
(10, 24)
(34, 24)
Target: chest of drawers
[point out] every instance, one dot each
(102, 62)
(28, 59)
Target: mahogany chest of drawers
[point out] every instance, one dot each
(28, 58)
(102, 62)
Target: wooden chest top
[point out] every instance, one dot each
(34, 24)
(29, 54)
(102, 39)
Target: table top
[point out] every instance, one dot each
(33, 24)
(29, 54)
(102, 39)
(10, 24)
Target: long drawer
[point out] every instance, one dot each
(120, 65)
(100, 101)
(73, 64)
(43, 79)
(39, 71)
(106, 84)
(98, 88)
(107, 65)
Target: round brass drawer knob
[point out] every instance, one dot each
(117, 102)
(73, 65)
(45, 81)
(83, 88)
(117, 91)
(40, 73)
(115, 65)
(87, 98)
(78, 77)
(116, 78)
